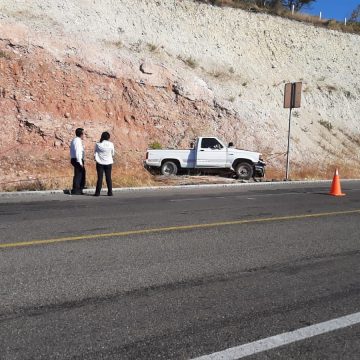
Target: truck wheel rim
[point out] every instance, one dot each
(243, 171)
(168, 169)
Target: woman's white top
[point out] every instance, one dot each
(104, 152)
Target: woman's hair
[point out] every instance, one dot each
(104, 136)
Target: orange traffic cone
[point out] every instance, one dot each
(335, 186)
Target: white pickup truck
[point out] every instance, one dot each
(208, 153)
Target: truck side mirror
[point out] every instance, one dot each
(231, 144)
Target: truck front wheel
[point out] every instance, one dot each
(169, 168)
(244, 171)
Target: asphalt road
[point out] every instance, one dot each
(178, 274)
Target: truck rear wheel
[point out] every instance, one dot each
(244, 171)
(169, 168)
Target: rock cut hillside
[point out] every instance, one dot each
(166, 71)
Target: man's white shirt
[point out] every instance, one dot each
(77, 150)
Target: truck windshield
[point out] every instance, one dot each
(210, 143)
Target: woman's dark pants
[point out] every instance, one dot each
(100, 173)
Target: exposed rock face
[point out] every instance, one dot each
(169, 71)
(45, 100)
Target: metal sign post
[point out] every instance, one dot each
(292, 99)
(288, 150)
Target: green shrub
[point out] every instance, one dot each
(326, 124)
(331, 88)
(4, 55)
(152, 47)
(155, 146)
(191, 62)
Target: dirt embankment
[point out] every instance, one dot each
(43, 101)
(168, 71)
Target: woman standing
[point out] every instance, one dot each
(104, 152)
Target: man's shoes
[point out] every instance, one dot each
(76, 192)
(96, 194)
(110, 194)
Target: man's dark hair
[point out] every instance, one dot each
(79, 132)
(104, 136)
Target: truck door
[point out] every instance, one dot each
(210, 154)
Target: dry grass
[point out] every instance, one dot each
(354, 139)
(132, 178)
(351, 27)
(224, 74)
(191, 62)
(59, 175)
(152, 47)
(4, 55)
(118, 44)
(50, 181)
(142, 178)
(217, 74)
(313, 172)
(326, 124)
(37, 184)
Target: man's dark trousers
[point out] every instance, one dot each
(79, 177)
(100, 172)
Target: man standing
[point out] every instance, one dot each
(77, 155)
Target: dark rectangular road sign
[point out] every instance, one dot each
(292, 96)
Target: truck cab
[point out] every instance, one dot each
(211, 153)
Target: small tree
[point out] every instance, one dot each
(298, 4)
(276, 4)
(355, 15)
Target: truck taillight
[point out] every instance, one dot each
(147, 155)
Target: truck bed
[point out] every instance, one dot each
(185, 156)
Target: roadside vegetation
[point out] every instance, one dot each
(283, 8)
(155, 146)
(326, 124)
(50, 181)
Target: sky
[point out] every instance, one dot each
(333, 9)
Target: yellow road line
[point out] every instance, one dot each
(174, 228)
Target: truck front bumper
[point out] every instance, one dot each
(259, 169)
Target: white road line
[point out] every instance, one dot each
(236, 196)
(244, 195)
(192, 199)
(273, 342)
(280, 194)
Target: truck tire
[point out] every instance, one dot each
(244, 171)
(169, 168)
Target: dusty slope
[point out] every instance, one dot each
(167, 71)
